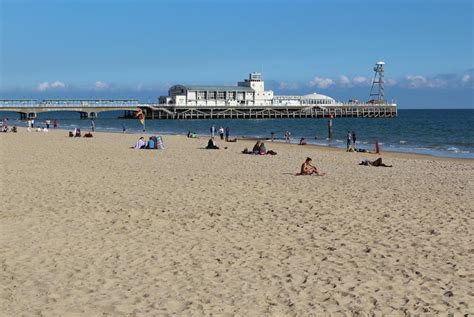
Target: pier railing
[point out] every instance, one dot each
(90, 108)
(158, 111)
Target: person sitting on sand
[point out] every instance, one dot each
(256, 148)
(377, 162)
(302, 141)
(151, 144)
(140, 144)
(308, 169)
(263, 149)
(211, 145)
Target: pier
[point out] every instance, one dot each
(273, 112)
(89, 109)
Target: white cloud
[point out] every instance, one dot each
(361, 81)
(100, 85)
(391, 82)
(47, 86)
(43, 86)
(58, 84)
(288, 85)
(466, 78)
(344, 81)
(416, 81)
(322, 83)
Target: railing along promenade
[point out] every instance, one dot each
(89, 109)
(29, 108)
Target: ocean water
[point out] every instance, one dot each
(448, 133)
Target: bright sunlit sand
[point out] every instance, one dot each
(90, 227)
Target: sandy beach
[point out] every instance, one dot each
(90, 227)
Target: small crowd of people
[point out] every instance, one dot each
(153, 143)
(4, 127)
(259, 149)
(43, 128)
(307, 168)
(76, 133)
(13, 129)
(192, 135)
(223, 133)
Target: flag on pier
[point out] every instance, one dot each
(140, 116)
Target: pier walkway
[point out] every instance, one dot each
(271, 112)
(89, 109)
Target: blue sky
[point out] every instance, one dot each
(137, 49)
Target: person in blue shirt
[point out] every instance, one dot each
(151, 144)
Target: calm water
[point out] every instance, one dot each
(435, 132)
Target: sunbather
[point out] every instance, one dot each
(211, 145)
(377, 162)
(308, 169)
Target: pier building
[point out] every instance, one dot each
(249, 92)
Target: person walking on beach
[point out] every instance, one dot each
(227, 134)
(92, 125)
(272, 136)
(213, 131)
(55, 123)
(47, 122)
(353, 140)
(221, 133)
(349, 141)
(29, 125)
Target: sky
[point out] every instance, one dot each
(138, 49)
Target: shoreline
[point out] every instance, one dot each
(394, 154)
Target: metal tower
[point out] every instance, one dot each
(378, 80)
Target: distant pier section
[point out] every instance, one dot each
(247, 100)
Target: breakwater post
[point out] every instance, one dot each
(330, 127)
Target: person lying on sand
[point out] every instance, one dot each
(256, 148)
(378, 162)
(308, 169)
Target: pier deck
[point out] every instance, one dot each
(89, 109)
(271, 112)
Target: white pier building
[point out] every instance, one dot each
(250, 92)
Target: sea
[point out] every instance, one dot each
(445, 133)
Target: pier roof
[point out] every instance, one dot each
(217, 88)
